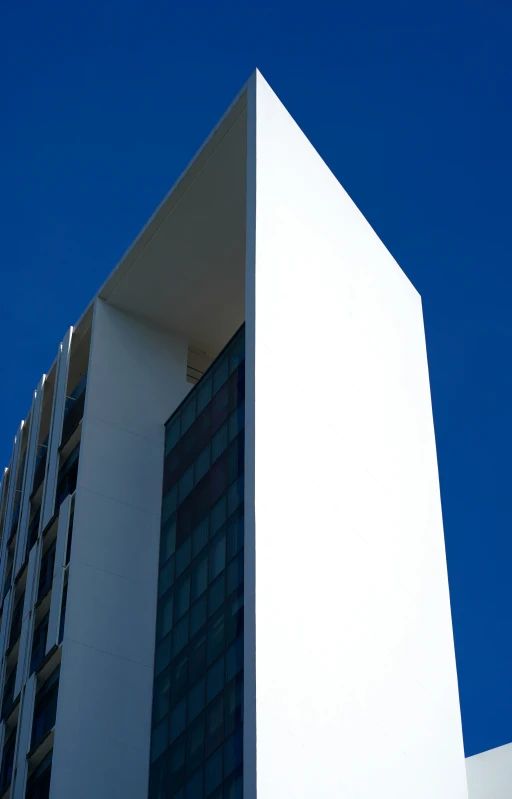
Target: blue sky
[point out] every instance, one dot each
(104, 103)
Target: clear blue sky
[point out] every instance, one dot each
(103, 104)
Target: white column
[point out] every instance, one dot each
(27, 624)
(35, 417)
(58, 408)
(24, 735)
(136, 378)
(58, 574)
(6, 622)
(10, 503)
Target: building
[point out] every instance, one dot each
(223, 507)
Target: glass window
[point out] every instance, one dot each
(177, 720)
(204, 393)
(183, 556)
(164, 616)
(199, 573)
(235, 573)
(159, 740)
(165, 578)
(235, 494)
(195, 744)
(200, 537)
(170, 503)
(179, 671)
(194, 788)
(180, 635)
(216, 636)
(158, 779)
(168, 539)
(218, 515)
(234, 616)
(217, 554)
(215, 679)
(220, 408)
(202, 464)
(213, 773)
(188, 413)
(163, 654)
(234, 658)
(235, 532)
(233, 752)
(214, 725)
(218, 479)
(197, 665)
(233, 704)
(198, 679)
(219, 442)
(198, 615)
(176, 763)
(186, 483)
(161, 693)
(172, 434)
(234, 787)
(216, 594)
(236, 352)
(220, 373)
(196, 700)
(236, 421)
(181, 596)
(45, 708)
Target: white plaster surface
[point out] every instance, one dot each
(136, 377)
(490, 774)
(356, 687)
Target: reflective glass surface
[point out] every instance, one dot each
(196, 742)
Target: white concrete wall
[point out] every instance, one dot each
(490, 774)
(137, 375)
(356, 687)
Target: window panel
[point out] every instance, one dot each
(168, 539)
(218, 515)
(235, 572)
(200, 537)
(214, 725)
(177, 720)
(198, 615)
(199, 574)
(197, 656)
(196, 700)
(159, 738)
(220, 373)
(180, 635)
(216, 636)
(217, 554)
(194, 788)
(166, 576)
(176, 764)
(179, 672)
(195, 744)
(161, 693)
(202, 531)
(213, 773)
(164, 618)
(183, 556)
(215, 679)
(216, 594)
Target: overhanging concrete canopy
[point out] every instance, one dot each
(186, 270)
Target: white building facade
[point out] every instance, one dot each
(349, 678)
